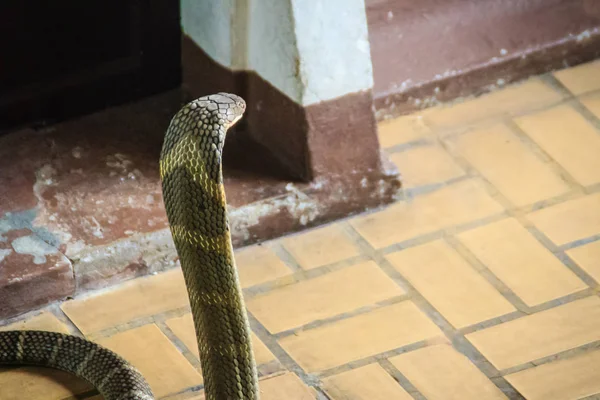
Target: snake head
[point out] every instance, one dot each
(231, 107)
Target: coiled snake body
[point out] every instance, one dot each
(194, 196)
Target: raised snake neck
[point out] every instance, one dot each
(194, 196)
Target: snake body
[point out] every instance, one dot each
(194, 196)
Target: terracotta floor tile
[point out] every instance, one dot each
(286, 386)
(568, 138)
(259, 264)
(452, 205)
(138, 298)
(519, 98)
(441, 373)
(450, 284)
(573, 378)
(46, 321)
(582, 78)
(425, 165)
(569, 221)
(321, 246)
(361, 336)
(157, 359)
(540, 335)
(401, 130)
(509, 165)
(39, 383)
(326, 296)
(183, 328)
(592, 103)
(530, 270)
(371, 382)
(588, 258)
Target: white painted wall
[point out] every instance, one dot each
(333, 43)
(208, 23)
(272, 50)
(311, 50)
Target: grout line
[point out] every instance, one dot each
(586, 113)
(561, 255)
(402, 147)
(284, 255)
(541, 154)
(448, 131)
(339, 317)
(411, 192)
(192, 358)
(573, 194)
(488, 275)
(550, 80)
(440, 234)
(576, 101)
(376, 358)
(563, 355)
(401, 379)
(138, 322)
(300, 276)
(282, 356)
(506, 388)
(576, 269)
(472, 171)
(595, 188)
(579, 243)
(492, 322)
(321, 395)
(64, 318)
(590, 397)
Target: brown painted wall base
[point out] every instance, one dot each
(433, 51)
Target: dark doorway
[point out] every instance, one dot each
(66, 58)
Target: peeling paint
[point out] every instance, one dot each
(33, 246)
(404, 85)
(25, 220)
(101, 266)
(4, 253)
(97, 229)
(318, 183)
(298, 204)
(4, 228)
(584, 35)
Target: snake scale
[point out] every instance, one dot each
(194, 196)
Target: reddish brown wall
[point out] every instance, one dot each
(417, 46)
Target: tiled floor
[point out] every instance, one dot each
(481, 283)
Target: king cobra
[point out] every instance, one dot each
(194, 196)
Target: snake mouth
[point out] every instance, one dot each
(235, 120)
